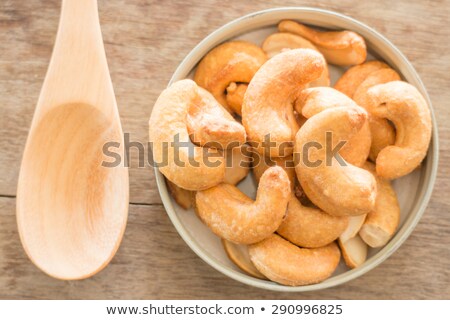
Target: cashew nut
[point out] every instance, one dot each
(338, 47)
(354, 251)
(314, 100)
(403, 104)
(168, 128)
(235, 96)
(183, 197)
(310, 227)
(338, 189)
(354, 76)
(238, 254)
(268, 103)
(285, 263)
(234, 61)
(277, 42)
(233, 216)
(209, 124)
(382, 222)
(383, 134)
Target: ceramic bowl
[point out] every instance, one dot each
(413, 191)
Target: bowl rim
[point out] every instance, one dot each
(401, 235)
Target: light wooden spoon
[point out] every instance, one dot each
(71, 209)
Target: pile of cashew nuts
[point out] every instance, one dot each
(309, 208)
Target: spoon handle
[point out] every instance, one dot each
(78, 70)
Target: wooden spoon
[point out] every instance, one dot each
(72, 209)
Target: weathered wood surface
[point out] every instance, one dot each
(144, 42)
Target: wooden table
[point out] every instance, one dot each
(145, 41)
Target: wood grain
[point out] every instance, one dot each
(144, 42)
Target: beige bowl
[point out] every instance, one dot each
(414, 190)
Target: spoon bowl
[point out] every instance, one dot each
(72, 199)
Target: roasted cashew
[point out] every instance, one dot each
(304, 226)
(314, 100)
(354, 76)
(310, 227)
(403, 104)
(183, 197)
(277, 42)
(209, 124)
(354, 251)
(234, 61)
(238, 254)
(381, 223)
(233, 216)
(338, 47)
(268, 103)
(383, 134)
(168, 128)
(235, 96)
(338, 189)
(285, 263)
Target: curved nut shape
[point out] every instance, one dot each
(234, 61)
(314, 100)
(285, 263)
(383, 134)
(381, 223)
(403, 104)
(338, 189)
(168, 123)
(268, 102)
(339, 47)
(233, 216)
(183, 197)
(209, 124)
(237, 166)
(238, 254)
(354, 76)
(235, 96)
(310, 227)
(277, 42)
(354, 251)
